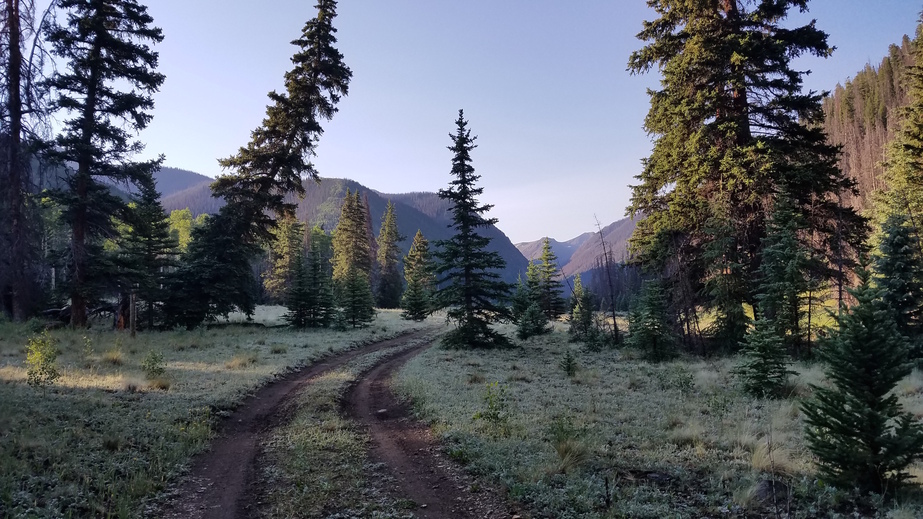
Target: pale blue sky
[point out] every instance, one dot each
(543, 84)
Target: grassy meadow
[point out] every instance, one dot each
(113, 430)
(622, 437)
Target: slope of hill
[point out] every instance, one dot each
(532, 250)
(580, 254)
(173, 180)
(321, 205)
(861, 115)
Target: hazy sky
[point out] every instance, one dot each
(543, 84)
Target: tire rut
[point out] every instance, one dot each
(217, 484)
(438, 486)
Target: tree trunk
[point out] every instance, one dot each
(18, 283)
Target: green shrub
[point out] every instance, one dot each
(496, 408)
(569, 364)
(153, 365)
(41, 358)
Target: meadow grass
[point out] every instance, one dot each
(676, 439)
(106, 438)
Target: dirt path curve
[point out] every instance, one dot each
(216, 486)
(423, 473)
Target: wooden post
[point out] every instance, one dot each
(133, 311)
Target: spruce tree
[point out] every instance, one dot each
(105, 81)
(731, 125)
(150, 249)
(724, 286)
(521, 299)
(764, 370)
(581, 314)
(417, 300)
(899, 274)
(856, 428)
(783, 274)
(533, 322)
(355, 299)
(214, 277)
(550, 300)
(272, 165)
(350, 241)
(299, 297)
(286, 246)
(650, 329)
(310, 300)
(468, 273)
(390, 285)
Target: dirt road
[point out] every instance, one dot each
(222, 483)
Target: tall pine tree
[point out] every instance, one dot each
(105, 88)
(468, 273)
(286, 246)
(389, 261)
(731, 125)
(550, 300)
(150, 249)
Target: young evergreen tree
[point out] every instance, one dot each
(731, 126)
(521, 298)
(419, 273)
(286, 246)
(764, 370)
(150, 249)
(533, 322)
(390, 284)
(783, 274)
(105, 85)
(355, 300)
(299, 298)
(279, 153)
(581, 314)
(649, 328)
(900, 274)
(549, 288)
(468, 273)
(857, 428)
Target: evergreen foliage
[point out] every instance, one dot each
(521, 299)
(351, 248)
(649, 328)
(783, 274)
(549, 287)
(419, 272)
(355, 299)
(390, 284)
(150, 249)
(280, 150)
(731, 126)
(286, 246)
(764, 371)
(533, 322)
(105, 82)
(214, 277)
(900, 274)
(581, 314)
(471, 287)
(856, 428)
(724, 286)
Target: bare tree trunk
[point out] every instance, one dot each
(615, 326)
(18, 282)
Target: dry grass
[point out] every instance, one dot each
(241, 361)
(114, 357)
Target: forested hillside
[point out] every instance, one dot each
(860, 115)
(323, 200)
